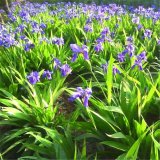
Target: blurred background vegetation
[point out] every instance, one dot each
(4, 4)
(126, 2)
(122, 2)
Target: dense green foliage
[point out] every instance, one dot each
(121, 120)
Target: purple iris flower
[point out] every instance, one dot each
(135, 20)
(138, 63)
(108, 39)
(88, 28)
(33, 77)
(74, 57)
(24, 38)
(158, 42)
(83, 94)
(34, 24)
(77, 94)
(139, 60)
(148, 33)
(58, 41)
(1, 42)
(20, 28)
(115, 71)
(121, 57)
(105, 68)
(65, 70)
(85, 52)
(117, 25)
(125, 52)
(86, 96)
(47, 74)
(98, 47)
(36, 28)
(130, 48)
(1, 11)
(113, 34)
(89, 20)
(100, 40)
(44, 39)
(140, 26)
(8, 40)
(43, 25)
(105, 31)
(77, 49)
(130, 39)
(12, 17)
(142, 56)
(28, 46)
(56, 63)
(24, 15)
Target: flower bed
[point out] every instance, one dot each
(80, 81)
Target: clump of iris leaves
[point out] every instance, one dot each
(80, 81)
